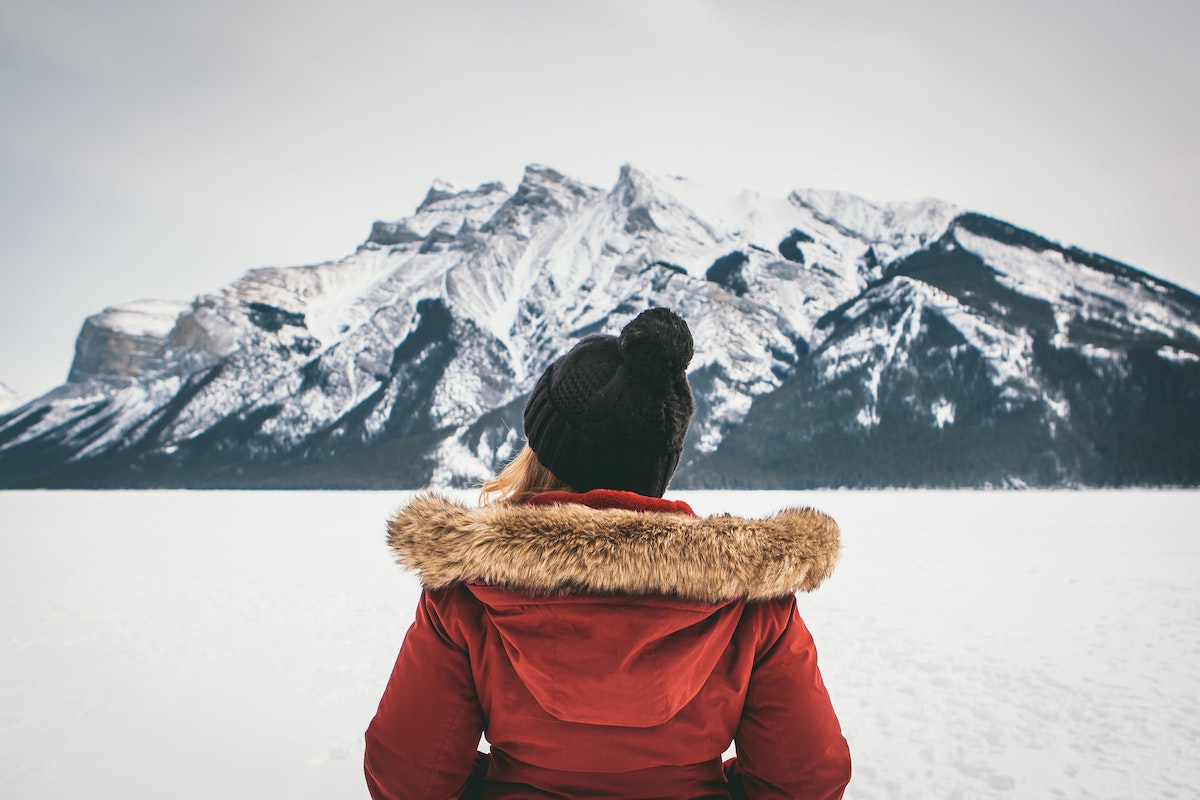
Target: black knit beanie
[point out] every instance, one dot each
(612, 412)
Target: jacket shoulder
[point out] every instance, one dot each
(768, 620)
(454, 611)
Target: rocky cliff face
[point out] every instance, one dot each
(838, 342)
(123, 342)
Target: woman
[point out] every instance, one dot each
(608, 642)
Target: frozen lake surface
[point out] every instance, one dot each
(198, 645)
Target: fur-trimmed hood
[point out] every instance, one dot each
(569, 547)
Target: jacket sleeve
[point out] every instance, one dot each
(789, 741)
(422, 741)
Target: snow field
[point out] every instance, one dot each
(975, 644)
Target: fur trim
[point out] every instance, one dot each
(573, 548)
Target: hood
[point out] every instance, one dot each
(572, 548)
(612, 616)
(605, 660)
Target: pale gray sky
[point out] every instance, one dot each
(160, 148)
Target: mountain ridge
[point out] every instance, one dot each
(825, 324)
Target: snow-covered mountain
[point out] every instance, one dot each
(838, 341)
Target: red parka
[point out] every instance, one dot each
(609, 646)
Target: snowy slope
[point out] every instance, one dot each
(406, 362)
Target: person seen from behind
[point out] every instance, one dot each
(607, 642)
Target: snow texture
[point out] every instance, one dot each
(234, 645)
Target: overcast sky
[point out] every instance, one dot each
(159, 148)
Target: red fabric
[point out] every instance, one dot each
(612, 498)
(605, 697)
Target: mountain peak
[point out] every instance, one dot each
(634, 187)
(446, 207)
(449, 196)
(541, 180)
(439, 190)
(536, 173)
(543, 192)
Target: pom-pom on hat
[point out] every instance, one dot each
(612, 413)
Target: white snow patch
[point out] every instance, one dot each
(1177, 355)
(867, 416)
(1097, 352)
(1059, 405)
(1062, 322)
(943, 412)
